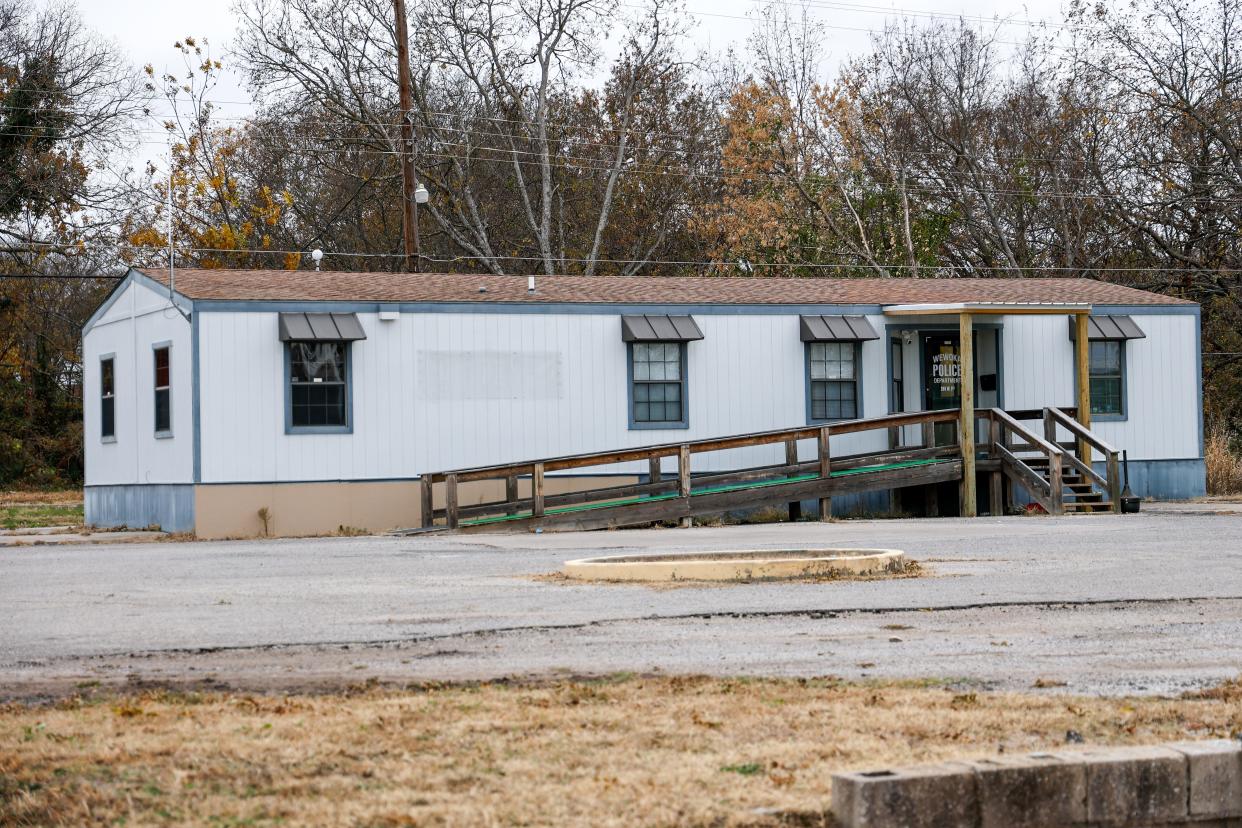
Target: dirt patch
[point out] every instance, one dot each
(622, 751)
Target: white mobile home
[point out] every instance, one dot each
(321, 397)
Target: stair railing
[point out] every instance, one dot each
(1050, 492)
(1110, 482)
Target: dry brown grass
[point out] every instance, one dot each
(1224, 466)
(70, 497)
(631, 751)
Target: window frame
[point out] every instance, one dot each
(348, 427)
(107, 438)
(856, 349)
(161, 434)
(1124, 413)
(644, 425)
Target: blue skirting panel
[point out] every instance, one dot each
(1157, 479)
(169, 506)
(1165, 479)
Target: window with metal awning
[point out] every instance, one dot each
(657, 367)
(1107, 336)
(659, 328)
(318, 397)
(833, 344)
(836, 329)
(320, 327)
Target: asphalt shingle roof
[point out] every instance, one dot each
(341, 286)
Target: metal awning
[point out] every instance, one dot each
(320, 327)
(836, 329)
(659, 328)
(1104, 328)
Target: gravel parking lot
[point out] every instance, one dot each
(1099, 604)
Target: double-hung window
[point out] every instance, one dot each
(834, 380)
(317, 370)
(659, 382)
(1107, 379)
(107, 398)
(1108, 336)
(658, 355)
(833, 351)
(318, 384)
(163, 390)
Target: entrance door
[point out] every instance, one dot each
(942, 379)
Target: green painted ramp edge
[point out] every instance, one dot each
(733, 487)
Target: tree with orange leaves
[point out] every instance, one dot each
(220, 218)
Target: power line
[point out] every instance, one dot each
(860, 265)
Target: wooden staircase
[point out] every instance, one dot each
(1079, 495)
(1056, 474)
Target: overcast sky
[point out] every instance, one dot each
(147, 29)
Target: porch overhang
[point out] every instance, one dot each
(987, 308)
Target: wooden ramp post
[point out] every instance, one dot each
(683, 482)
(791, 460)
(966, 427)
(825, 471)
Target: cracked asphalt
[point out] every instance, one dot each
(1096, 604)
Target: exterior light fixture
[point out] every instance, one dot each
(421, 195)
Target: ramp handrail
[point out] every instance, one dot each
(539, 500)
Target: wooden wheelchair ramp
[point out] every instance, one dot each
(806, 470)
(522, 496)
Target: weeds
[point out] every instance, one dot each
(1224, 463)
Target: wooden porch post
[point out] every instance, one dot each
(966, 424)
(1082, 354)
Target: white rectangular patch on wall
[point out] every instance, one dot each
(489, 375)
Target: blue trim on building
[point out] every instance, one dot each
(348, 428)
(917, 328)
(1147, 310)
(592, 308)
(195, 419)
(134, 277)
(108, 301)
(1199, 370)
(169, 506)
(540, 307)
(684, 422)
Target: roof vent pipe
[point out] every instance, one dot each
(530, 284)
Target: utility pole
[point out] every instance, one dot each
(409, 223)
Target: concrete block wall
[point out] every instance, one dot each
(1179, 784)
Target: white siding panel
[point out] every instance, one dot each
(439, 391)
(137, 320)
(1162, 388)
